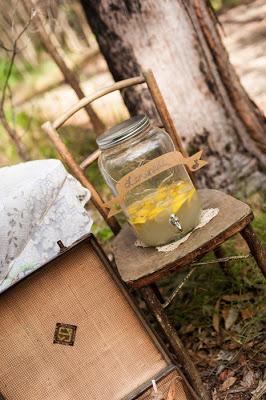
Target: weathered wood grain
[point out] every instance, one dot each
(143, 266)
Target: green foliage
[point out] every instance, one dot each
(46, 67)
(21, 118)
(82, 142)
(7, 151)
(15, 75)
(102, 234)
(219, 4)
(259, 224)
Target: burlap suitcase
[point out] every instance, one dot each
(71, 331)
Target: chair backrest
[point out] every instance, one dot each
(71, 331)
(78, 170)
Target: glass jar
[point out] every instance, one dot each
(166, 206)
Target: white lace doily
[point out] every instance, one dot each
(40, 203)
(205, 217)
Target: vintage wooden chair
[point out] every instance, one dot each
(143, 267)
(71, 330)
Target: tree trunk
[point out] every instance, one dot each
(179, 40)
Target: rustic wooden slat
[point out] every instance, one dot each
(143, 266)
(183, 357)
(163, 111)
(165, 115)
(87, 100)
(90, 159)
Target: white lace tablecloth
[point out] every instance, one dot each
(40, 203)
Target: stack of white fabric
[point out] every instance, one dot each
(40, 203)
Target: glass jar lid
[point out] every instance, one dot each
(124, 131)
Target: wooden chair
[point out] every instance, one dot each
(71, 330)
(143, 267)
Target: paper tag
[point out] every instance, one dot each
(149, 170)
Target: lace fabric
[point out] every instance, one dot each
(40, 203)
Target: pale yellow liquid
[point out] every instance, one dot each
(150, 215)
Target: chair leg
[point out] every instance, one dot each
(181, 353)
(255, 246)
(219, 253)
(157, 292)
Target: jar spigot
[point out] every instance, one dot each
(173, 220)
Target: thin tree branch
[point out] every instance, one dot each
(194, 265)
(13, 111)
(10, 67)
(14, 53)
(68, 74)
(11, 131)
(5, 48)
(223, 259)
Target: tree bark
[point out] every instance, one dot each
(179, 40)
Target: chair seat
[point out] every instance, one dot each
(139, 266)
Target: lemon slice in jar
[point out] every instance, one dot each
(162, 201)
